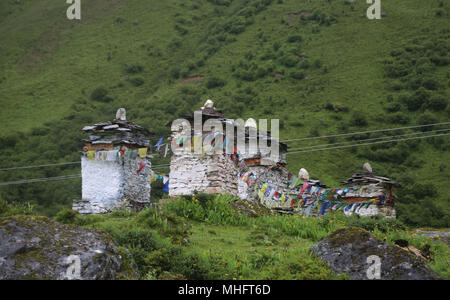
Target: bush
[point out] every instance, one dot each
(67, 216)
(426, 119)
(100, 94)
(214, 209)
(375, 223)
(174, 260)
(399, 118)
(393, 107)
(7, 209)
(214, 82)
(358, 119)
(138, 81)
(436, 103)
(294, 38)
(140, 241)
(134, 68)
(299, 75)
(289, 60)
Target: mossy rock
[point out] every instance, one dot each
(252, 209)
(352, 250)
(39, 248)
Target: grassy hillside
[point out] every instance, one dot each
(329, 71)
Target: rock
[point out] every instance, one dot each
(351, 250)
(252, 209)
(436, 235)
(40, 248)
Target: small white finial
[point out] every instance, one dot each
(251, 123)
(208, 104)
(303, 174)
(121, 114)
(367, 167)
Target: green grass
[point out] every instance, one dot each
(50, 66)
(177, 243)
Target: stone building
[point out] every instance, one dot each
(116, 168)
(367, 186)
(259, 162)
(201, 169)
(255, 172)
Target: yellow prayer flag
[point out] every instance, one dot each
(142, 152)
(90, 154)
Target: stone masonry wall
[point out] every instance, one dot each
(112, 185)
(209, 174)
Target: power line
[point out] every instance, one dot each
(41, 179)
(362, 132)
(365, 144)
(372, 139)
(40, 166)
(51, 165)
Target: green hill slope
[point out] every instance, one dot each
(321, 67)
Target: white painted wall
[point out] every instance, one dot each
(102, 183)
(112, 185)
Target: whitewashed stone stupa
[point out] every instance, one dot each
(115, 166)
(192, 172)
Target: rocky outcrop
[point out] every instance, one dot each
(39, 248)
(361, 256)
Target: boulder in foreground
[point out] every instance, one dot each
(355, 252)
(39, 248)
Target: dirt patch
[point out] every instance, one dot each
(278, 75)
(300, 13)
(192, 80)
(295, 17)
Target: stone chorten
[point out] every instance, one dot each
(115, 167)
(190, 171)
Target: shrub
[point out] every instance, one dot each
(201, 207)
(426, 119)
(214, 82)
(297, 75)
(67, 216)
(181, 30)
(358, 119)
(436, 103)
(375, 223)
(140, 241)
(138, 81)
(100, 94)
(175, 260)
(221, 2)
(393, 107)
(134, 68)
(289, 60)
(304, 64)
(294, 38)
(7, 209)
(400, 118)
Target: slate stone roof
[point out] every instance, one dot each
(118, 132)
(368, 178)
